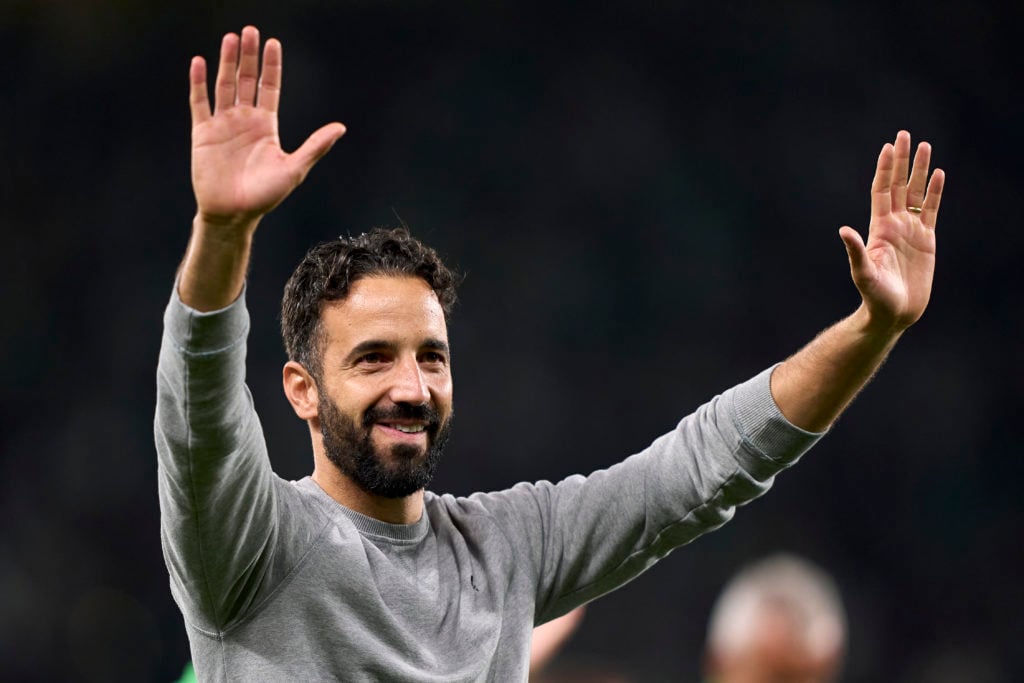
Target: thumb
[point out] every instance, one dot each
(860, 265)
(316, 146)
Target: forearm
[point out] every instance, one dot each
(217, 259)
(815, 385)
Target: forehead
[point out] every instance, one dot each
(393, 308)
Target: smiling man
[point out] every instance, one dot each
(358, 572)
(376, 323)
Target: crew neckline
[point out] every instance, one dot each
(370, 526)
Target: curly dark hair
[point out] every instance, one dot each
(328, 271)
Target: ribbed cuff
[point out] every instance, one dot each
(762, 424)
(196, 332)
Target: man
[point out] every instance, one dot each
(780, 620)
(357, 573)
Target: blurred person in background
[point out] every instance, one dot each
(357, 572)
(779, 620)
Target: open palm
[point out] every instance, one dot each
(239, 170)
(894, 270)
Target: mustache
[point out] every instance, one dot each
(403, 411)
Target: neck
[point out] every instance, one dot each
(407, 510)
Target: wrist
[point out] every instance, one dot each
(217, 258)
(885, 329)
(236, 229)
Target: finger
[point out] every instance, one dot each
(198, 98)
(881, 200)
(919, 176)
(225, 90)
(270, 80)
(899, 173)
(315, 147)
(860, 264)
(248, 66)
(930, 208)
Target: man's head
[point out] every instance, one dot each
(328, 271)
(364, 323)
(779, 620)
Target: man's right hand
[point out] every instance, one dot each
(239, 171)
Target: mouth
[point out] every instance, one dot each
(408, 431)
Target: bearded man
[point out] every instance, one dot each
(357, 572)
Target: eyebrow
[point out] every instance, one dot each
(436, 345)
(382, 345)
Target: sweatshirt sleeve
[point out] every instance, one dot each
(216, 488)
(589, 535)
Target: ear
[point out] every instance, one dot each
(301, 390)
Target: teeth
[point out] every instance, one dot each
(409, 429)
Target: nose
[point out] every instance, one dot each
(409, 386)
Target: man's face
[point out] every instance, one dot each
(386, 389)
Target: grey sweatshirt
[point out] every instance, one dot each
(278, 582)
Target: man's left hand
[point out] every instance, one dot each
(893, 272)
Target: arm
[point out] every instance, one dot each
(598, 532)
(239, 171)
(893, 273)
(548, 638)
(219, 501)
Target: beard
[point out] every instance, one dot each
(350, 448)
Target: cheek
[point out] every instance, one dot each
(359, 393)
(351, 411)
(441, 390)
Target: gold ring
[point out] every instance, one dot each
(914, 209)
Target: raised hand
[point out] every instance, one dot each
(239, 171)
(893, 271)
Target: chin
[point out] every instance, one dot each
(403, 452)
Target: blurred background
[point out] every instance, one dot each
(644, 198)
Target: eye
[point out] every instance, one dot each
(432, 357)
(372, 358)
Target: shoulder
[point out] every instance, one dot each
(523, 505)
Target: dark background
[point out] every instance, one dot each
(645, 199)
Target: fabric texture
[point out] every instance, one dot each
(278, 582)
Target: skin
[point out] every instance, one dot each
(240, 173)
(549, 638)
